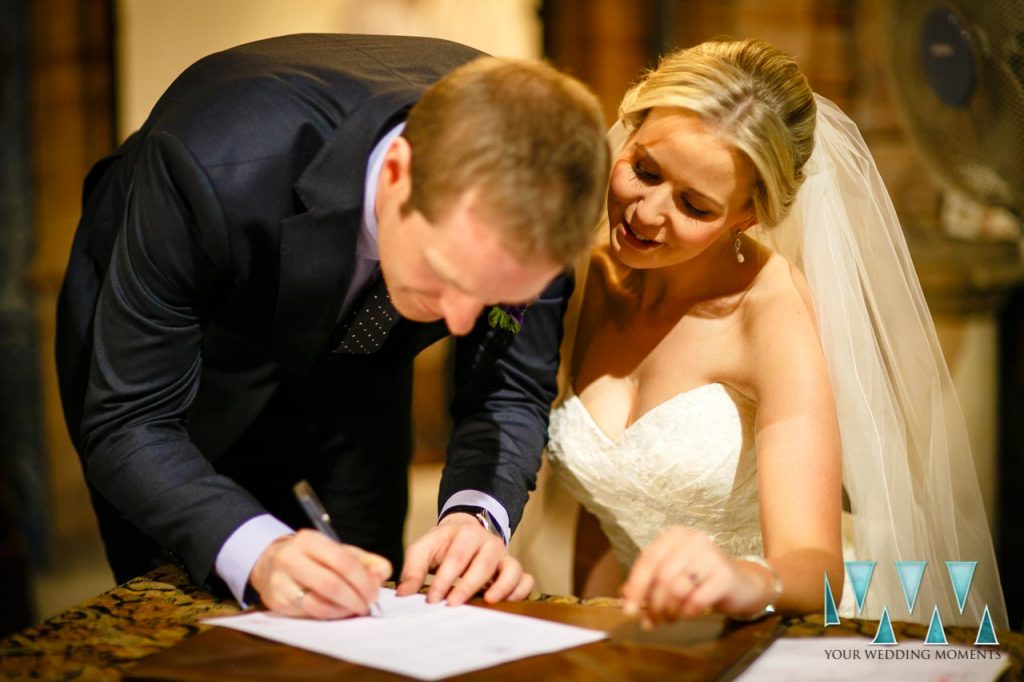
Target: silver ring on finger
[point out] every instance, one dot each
(298, 598)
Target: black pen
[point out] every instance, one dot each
(321, 519)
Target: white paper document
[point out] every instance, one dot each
(855, 659)
(411, 637)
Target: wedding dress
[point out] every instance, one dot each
(908, 472)
(689, 461)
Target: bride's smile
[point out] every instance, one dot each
(636, 240)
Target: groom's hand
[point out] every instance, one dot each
(460, 549)
(308, 575)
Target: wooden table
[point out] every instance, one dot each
(127, 633)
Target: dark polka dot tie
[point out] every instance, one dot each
(366, 326)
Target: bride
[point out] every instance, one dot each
(753, 355)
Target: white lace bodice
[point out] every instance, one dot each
(689, 461)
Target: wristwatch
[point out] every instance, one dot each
(484, 517)
(481, 515)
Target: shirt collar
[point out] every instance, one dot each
(366, 246)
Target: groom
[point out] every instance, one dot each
(253, 274)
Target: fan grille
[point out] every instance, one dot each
(978, 147)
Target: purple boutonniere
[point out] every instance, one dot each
(507, 317)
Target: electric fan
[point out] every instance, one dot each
(959, 77)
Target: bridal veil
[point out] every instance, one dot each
(908, 470)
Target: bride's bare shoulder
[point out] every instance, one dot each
(604, 272)
(779, 295)
(785, 363)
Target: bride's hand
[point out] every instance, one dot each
(682, 574)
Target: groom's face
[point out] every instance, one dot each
(452, 268)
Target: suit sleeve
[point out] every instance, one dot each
(502, 400)
(169, 254)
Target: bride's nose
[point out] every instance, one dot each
(650, 209)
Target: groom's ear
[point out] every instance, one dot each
(395, 183)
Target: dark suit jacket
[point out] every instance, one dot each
(206, 277)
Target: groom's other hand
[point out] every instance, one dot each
(460, 549)
(309, 575)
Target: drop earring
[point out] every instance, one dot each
(738, 246)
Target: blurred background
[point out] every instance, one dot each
(77, 76)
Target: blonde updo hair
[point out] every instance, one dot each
(755, 95)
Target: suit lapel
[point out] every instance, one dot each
(317, 248)
(317, 258)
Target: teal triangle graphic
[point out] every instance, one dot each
(831, 613)
(910, 573)
(986, 632)
(961, 573)
(885, 635)
(860, 577)
(936, 635)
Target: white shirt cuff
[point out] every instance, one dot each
(242, 548)
(475, 498)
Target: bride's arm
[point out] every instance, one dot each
(798, 449)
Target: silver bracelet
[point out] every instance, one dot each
(769, 608)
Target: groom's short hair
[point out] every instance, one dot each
(528, 139)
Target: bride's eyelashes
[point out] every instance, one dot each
(691, 209)
(645, 176)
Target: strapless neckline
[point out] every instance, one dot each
(689, 460)
(690, 394)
